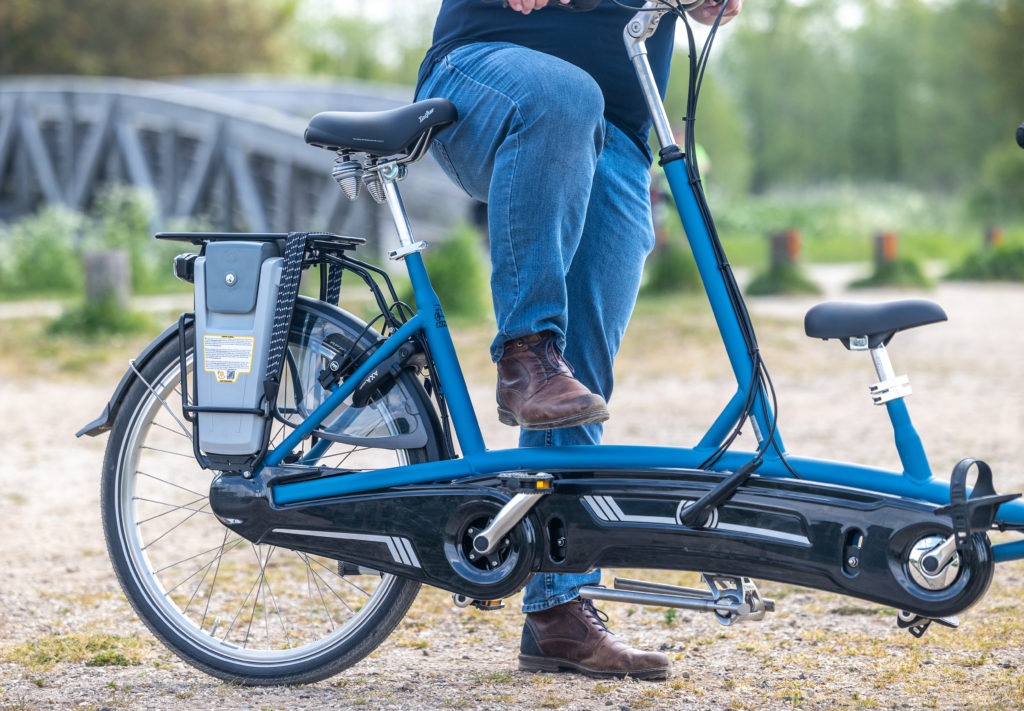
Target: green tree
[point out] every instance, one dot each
(458, 270)
(1000, 46)
(785, 62)
(359, 47)
(922, 111)
(143, 38)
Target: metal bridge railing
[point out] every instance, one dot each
(217, 152)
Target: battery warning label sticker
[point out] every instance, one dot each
(227, 357)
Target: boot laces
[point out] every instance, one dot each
(596, 617)
(548, 358)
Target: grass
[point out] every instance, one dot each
(1003, 263)
(92, 649)
(28, 348)
(837, 223)
(498, 677)
(553, 702)
(901, 272)
(99, 320)
(782, 279)
(670, 269)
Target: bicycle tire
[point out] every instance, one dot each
(187, 574)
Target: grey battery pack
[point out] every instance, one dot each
(236, 286)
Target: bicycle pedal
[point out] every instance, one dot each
(917, 625)
(489, 605)
(486, 605)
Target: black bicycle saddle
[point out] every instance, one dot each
(381, 133)
(878, 322)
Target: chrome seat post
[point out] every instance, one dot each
(390, 174)
(889, 386)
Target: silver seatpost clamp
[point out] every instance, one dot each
(890, 386)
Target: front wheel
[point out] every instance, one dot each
(248, 613)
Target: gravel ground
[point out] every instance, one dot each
(818, 651)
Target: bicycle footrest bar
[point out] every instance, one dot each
(657, 600)
(661, 588)
(730, 598)
(660, 600)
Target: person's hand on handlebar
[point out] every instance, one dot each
(528, 6)
(705, 13)
(708, 11)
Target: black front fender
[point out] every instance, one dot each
(104, 422)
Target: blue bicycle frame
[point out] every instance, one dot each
(915, 481)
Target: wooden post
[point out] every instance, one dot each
(993, 236)
(886, 247)
(785, 248)
(106, 274)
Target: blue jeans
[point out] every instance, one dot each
(569, 217)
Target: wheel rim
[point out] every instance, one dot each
(244, 603)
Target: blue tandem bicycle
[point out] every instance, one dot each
(281, 476)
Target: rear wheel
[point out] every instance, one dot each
(248, 613)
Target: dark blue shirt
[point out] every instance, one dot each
(591, 41)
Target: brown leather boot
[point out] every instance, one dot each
(537, 390)
(573, 637)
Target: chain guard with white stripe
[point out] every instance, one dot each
(793, 532)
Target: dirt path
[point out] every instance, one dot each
(817, 651)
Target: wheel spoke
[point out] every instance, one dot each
(323, 602)
(190, 455)
(185, 430)
(196, 572)
(345, 456)
(333, 591)
(169, 483)
(256, 599)
(342, 578)
(177, 525)
(176, 433)
(222, 549)
(172, 508)
(268, 592)
(206, 571)
(213, 583)
(241, 607)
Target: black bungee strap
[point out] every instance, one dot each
(291, 272)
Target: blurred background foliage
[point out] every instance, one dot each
(840, 117)
(145, 38)
(921, 93)
(43, 253)
(914, 92)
